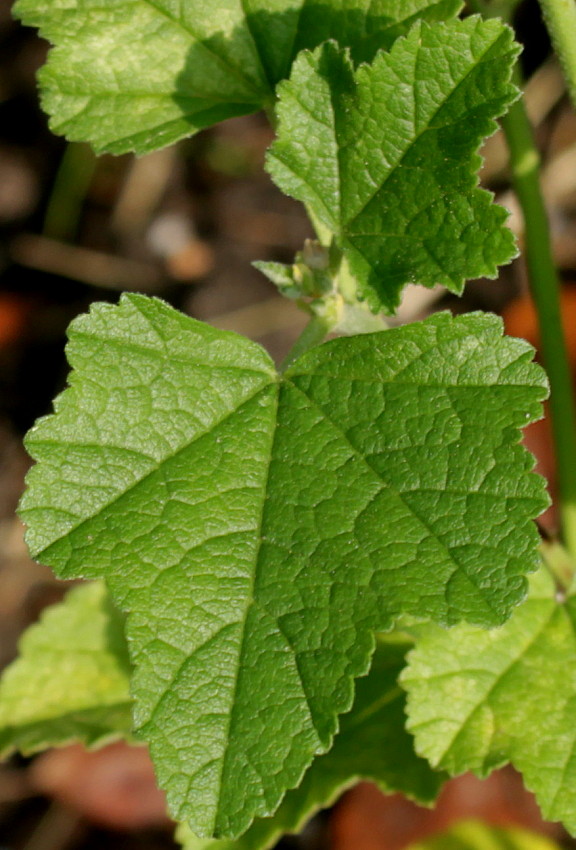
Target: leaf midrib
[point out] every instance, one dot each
(460, 568)
(346, 225)
(497, 680)
(253, 601)
(200, 41)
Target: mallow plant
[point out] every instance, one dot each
(306, 575)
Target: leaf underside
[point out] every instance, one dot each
(71, 680)
(385, 156)
(258, 527)
(372, 743)
(478, 699)
(135, 75)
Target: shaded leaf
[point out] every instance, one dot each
(480, 699)
(135, 75)
(71, 681)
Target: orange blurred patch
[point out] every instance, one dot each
(114, 786)
(14, 314)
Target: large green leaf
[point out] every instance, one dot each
(386, 156)
(372, 744)
(71, 681)
(479, 699)
(139, 74)
(257, 527)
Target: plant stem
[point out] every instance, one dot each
(323, 233)
(71, 184)
(545, 286)
(313, 334)
(560, 17)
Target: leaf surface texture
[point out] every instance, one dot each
(372, 744)
(480, 699)
(385, 156)
(71, 681)
(135, 75)
(258, 527)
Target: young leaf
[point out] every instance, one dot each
(475, 835)
(478, 699)
(385, 156)
(257, 527)
(135, 75)
(71, 681)
(372, 744)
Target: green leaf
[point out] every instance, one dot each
(135, 75)
(480, 699)
(386, 156)
(475, 835)
(372, 744)
(71, 681)
(257, 527)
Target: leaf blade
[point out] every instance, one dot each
(71, 680)
(372, 743)
(511, 693)
(212, 494)
(386, 156)
(136, 75)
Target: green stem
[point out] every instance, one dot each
(323, 233)
(71, 184)
(313, 334)
(560, 17)
(545, 286)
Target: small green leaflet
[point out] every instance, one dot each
(386, 156)
(478, 699)
(135, 75)
(258, 527)
(372, 744)
(475, 835)
(71, 681)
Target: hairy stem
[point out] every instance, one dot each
(560, 17)
(545, 286)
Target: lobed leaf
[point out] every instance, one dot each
(477, 699)
(258, 527)
(135, 75)
(372, 744)
(71, 681)
(386, 156)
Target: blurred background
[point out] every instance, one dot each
(185, 224)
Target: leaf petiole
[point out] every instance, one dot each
(324, 319)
